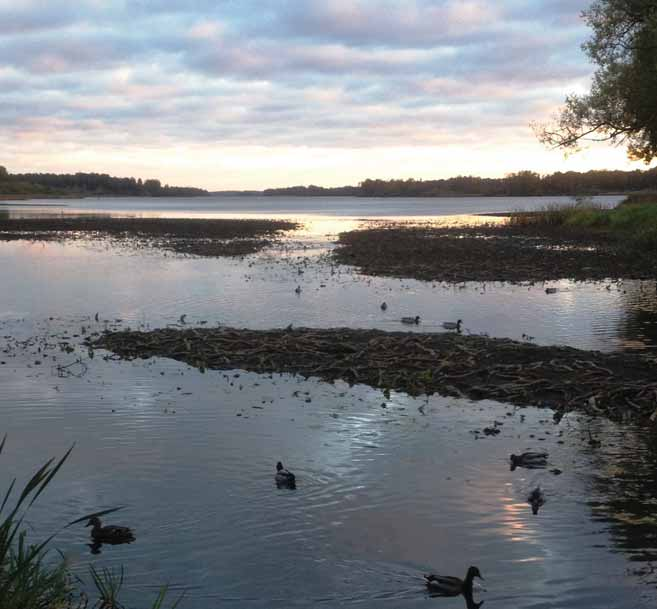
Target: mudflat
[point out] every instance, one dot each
(200, 237)
(492, 253)
(620, 386)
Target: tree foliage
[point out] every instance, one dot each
(621, 106)
(522, 183)
(87, 184)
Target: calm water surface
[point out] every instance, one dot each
(385, 493)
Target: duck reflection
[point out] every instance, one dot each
(470, 602)
(96, 546)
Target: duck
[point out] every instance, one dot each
(384, 306)
(411, 320)
(453, 325)
(284, 478)
(536, 499)
(529, 460)
(109, 533)
(444, 585)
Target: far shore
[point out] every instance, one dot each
(247, 194)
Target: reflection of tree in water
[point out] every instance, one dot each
(4, 214)
(626, 487)
(638, 327)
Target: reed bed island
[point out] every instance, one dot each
(621, 387)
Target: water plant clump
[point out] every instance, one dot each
(198, 237)
(580, 241)
(619, 386)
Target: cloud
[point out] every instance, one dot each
(354, 73)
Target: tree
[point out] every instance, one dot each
(4, 174)
(621, 106)
(152, 187)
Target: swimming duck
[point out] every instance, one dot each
(444, 585)
(529, 460)
(109, 533)
(384, 306)
(536, 499)
(411, 320)
(453, 325)
(284, 478)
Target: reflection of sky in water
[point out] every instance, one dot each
(384, 493)
(269, 207)
(41, 280)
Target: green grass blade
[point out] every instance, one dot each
(11, 488)
(96, 514)
(33, 483)
(52, 473)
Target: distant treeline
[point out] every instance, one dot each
(316, 191)
(523, 183)
(86, 184)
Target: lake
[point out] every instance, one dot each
(384, 493)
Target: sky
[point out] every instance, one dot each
(246, 94)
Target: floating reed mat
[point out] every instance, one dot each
(193, 236)
(620, 386)
(490, 253)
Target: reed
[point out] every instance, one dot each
(633, 223)
(30, 576)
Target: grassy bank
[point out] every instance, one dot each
(633, 223)
(581, 241)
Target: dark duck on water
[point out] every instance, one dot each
(536, 499)
(529, 460)
(284, 478)
(109, 534)
(446, 585)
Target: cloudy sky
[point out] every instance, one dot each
(256, 93)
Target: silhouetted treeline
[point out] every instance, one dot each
(87, 184)
(315, 191)
(523, 183)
